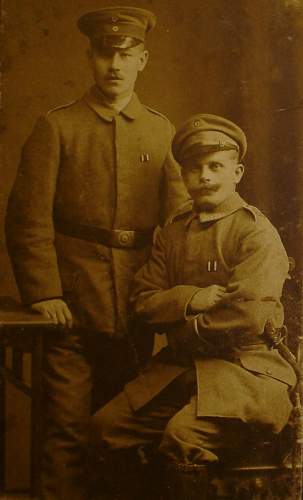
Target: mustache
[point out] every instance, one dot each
(207, 188)
(113, 76)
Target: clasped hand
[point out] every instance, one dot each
(206, 298)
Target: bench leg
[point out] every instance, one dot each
(2, 415)
(36, 413)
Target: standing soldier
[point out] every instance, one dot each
(96, 177)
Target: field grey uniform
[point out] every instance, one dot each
(217, 378)
(91, 187)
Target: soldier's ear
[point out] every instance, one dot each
(239, 172)
(143, 59)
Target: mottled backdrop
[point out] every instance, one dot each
(239, 58)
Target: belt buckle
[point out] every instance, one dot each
(126, 239)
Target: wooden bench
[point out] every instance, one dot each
(22, 331)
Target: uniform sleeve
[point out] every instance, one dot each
(29, 218)
(173, 194)
(153, 298)
(254, 288)
(253, 292)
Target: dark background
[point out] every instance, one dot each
(238, 58)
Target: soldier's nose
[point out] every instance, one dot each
(115, 61)
(204, 173)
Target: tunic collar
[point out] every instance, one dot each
(227, 207)
(95, 101)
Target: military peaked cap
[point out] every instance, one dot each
(205, 132)
(121, 21)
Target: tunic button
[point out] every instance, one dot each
(268, 371)
(115, 28)
(197, 123)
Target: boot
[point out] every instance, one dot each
(124, 475)
(186, 482)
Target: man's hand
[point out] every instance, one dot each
(56, 310)
(206, 298)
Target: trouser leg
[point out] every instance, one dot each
(81, 369)
(67, 404)
(113, 364)
(198, 440)
(122, 436)
(190, 444)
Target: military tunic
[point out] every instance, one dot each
(84, 164)
(234, 246)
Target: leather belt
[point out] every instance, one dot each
(228, 341)
(243, 339)
(113, 238)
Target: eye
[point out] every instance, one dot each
(126, 55)
(215, 166)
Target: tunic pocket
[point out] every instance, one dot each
(270, 364)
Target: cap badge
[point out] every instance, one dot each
(114, 19)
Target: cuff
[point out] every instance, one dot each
(46, 298)
(179, 299)
(195, 327)
(187, 314)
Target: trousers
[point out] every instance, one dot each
(82, 371)
(168, 422)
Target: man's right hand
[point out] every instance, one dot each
(56, 310)
(206, 298)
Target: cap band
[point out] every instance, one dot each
(126, 21)
(119, 42)
(207, 141)
(199, 149)
(205, 132)
(118, 30)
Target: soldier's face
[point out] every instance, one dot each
(115, 70)
(211, 178)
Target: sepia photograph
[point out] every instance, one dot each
(151, 250)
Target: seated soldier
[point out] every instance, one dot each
(213, 281)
